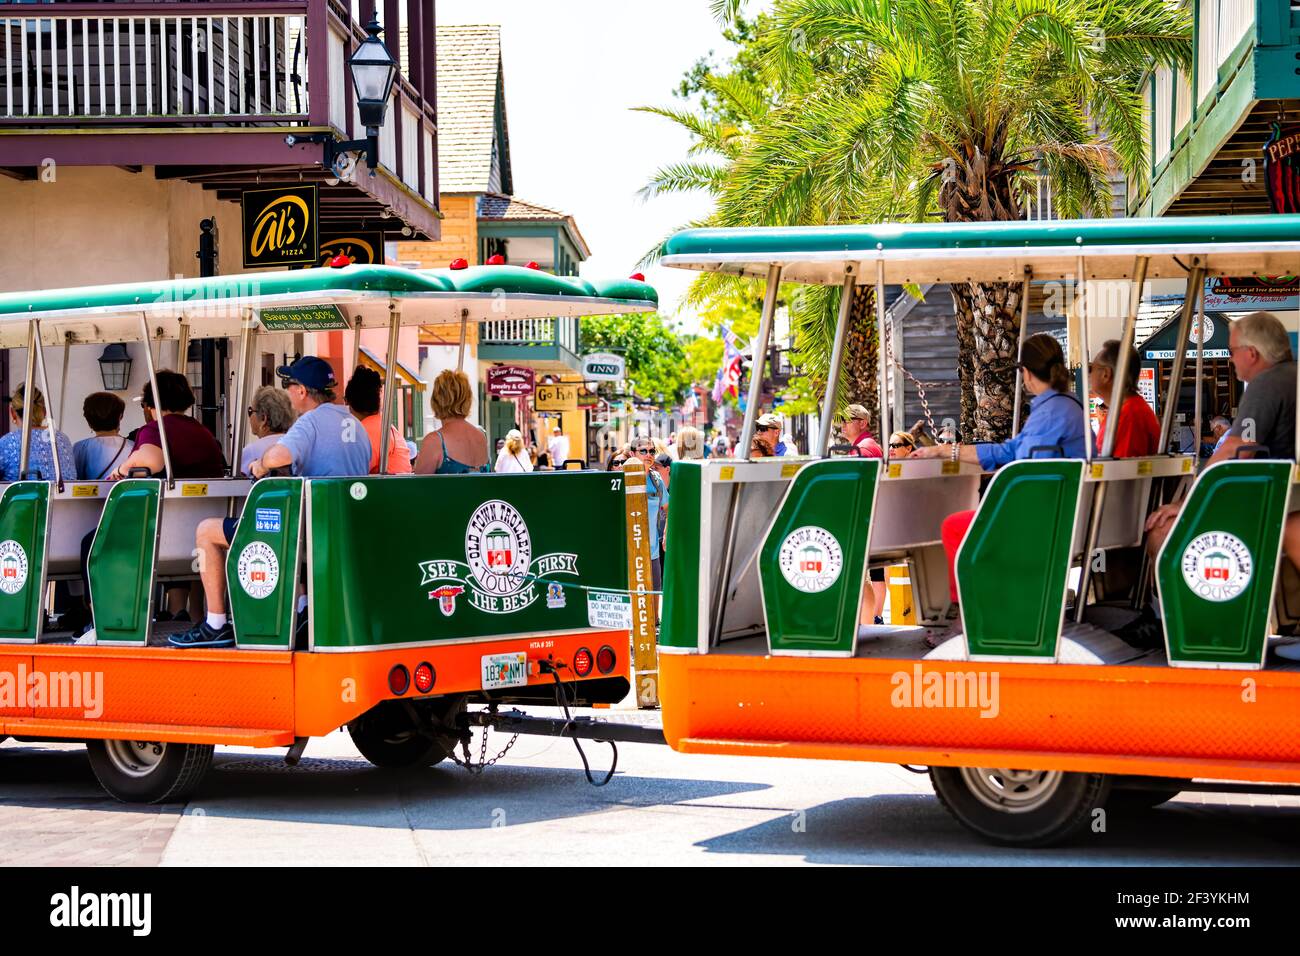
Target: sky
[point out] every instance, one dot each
(573, 71)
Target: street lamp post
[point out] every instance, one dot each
(374, 71)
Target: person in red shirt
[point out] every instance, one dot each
(1138, 433)
(857, 429)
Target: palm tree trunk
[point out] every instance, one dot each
(962, 305)
(996, 327)
(860, 368)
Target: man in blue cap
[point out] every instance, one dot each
(326, 440)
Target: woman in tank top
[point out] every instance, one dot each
(457, 448)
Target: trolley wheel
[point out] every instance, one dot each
(143, 771)
(390, 737)
(1020, 807)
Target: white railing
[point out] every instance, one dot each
(519, 330)
(1038, 199)
(1163, 124)
(1222, 25)
(210, 67)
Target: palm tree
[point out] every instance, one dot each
(903, 109)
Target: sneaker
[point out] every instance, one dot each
(200, 635)
(163, 616)
(878, 620)
(1288, 652)
(181, 617)
(87, 637)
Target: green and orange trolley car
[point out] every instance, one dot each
(1037, 715)
(423, 593)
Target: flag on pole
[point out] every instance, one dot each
(728, 380)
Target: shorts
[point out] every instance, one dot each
(228, 528)
(877, 574)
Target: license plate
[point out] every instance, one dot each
(505, 670)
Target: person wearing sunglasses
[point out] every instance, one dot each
(901, 444)
(269, 416)
(656, 504)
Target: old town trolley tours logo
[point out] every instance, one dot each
(258, 569)
(13, 566)
(499, 572)
(810, 559)
(1217, 566)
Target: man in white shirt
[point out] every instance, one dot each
(558, 448)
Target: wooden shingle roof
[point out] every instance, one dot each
(470, 94)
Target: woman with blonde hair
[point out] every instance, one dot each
(513, 456)
(40, 457)
(457, 447)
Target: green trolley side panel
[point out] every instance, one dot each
(1218, 566)
(461, 557)
(262, 565)
(121, 563)
(1013, 564)
(680, 625)
(813, 560)
(24, 512)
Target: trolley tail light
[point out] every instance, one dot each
(424, 677)
(399, 680)
(582, 662)
(606, 659)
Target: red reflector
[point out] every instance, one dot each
(340, 261)
(531, 265)
(459, 264)
(399, 679)
(424, 678)
(582, 662)
(638, 276)
(606, 659)
(497, 260)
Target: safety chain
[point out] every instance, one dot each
(920, 386)
(483, 763)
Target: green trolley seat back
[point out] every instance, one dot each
(1217, 568)
(122, 560)
(262, 564)
(813, 562)
(679, 627)
(1013, 564)
(24, 528)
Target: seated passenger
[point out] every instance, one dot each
(767, 435)
(1138, 432)
(326, 440)
(1260, 351)
(193, 450)
(901, 444)
(456, 447)
(857, 429)
(39, 457)
(270, 415)
(97, 457)
(363, 397)
(1055, 421)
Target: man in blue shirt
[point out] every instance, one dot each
(325, 440)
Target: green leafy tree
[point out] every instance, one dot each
(901, 109)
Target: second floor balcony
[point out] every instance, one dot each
(202, 90)
(550, 345)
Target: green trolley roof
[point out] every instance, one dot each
(959, 252)
(216, 307)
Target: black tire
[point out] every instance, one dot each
(137, 771)
(1024, 808)
(1137, 800)
(390, 738)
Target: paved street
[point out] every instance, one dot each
(535, 808)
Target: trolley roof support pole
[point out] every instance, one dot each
(1024, 334)
(1200, 380)
(24, 457)
(51, 425)
(239, 420)
(63, 382)
(1195, 287)
(884, 426)
(760, 359)
(1081, 304)
(157, 403)
(464, 329)
(837, 359)
(1122, 360)
(390, 366)
(183, 348)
